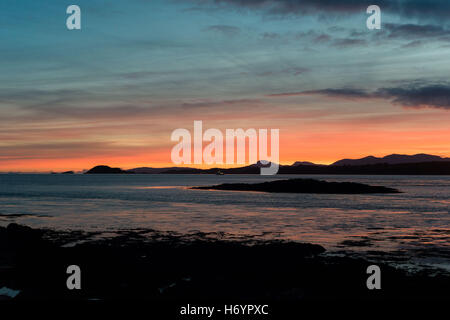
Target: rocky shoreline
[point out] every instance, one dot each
(164, 266)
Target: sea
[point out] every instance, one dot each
(414, 224)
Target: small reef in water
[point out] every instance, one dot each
(302, 186)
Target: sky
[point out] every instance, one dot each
(114, 91)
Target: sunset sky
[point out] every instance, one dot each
(113, 92)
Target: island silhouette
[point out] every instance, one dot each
(394, 164)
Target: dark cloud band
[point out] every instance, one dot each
(427, 96)
(434, 96)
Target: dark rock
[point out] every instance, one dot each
(19, 236)
(303, 186)
(158, 266)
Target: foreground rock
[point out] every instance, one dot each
(146, 264)
(303, 186)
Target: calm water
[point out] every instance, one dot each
(418, 218)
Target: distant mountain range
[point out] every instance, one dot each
(418, 164)
(304, 163)
(390, 159)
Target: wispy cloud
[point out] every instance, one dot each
(349, 42)
(414, 31)
(345, 93)
(224, 29)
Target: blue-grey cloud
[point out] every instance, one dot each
(349, 42)
(430, 9)
(432, 96)
(238, 103)
(224, 29)
(412, 96)
(271, 35)
(347, 93)
(414, 31)
(413, 44)
(292, 71)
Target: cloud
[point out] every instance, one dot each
(34, 94)
(413, 35)
(411, 96)
(293, 71)
(414, 31)
(313, 36)
(430, 9)
(271, 36)
(288, 6)
(224, 29)
(433, 96)
(238, 103)
(322, 38)
(349, 42)
(413, 44)
(346, 93)
(69, 150)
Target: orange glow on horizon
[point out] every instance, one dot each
(319, 148)
(321, 141)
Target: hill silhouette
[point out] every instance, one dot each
(391, 159)
(394, 164)
(105, 170)
(150, 170)
(304, 163)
